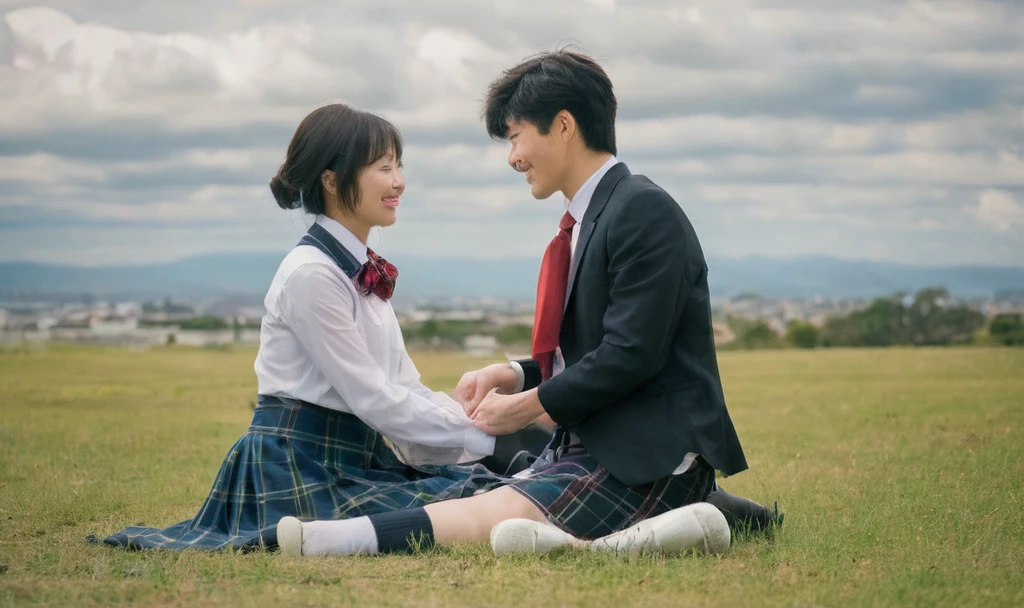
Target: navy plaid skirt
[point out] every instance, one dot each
(577, 494)
(309, 462)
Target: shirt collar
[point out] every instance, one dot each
(345, 237)
(577, 207)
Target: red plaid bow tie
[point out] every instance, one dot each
(377, 276)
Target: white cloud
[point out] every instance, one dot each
(608, 5)
(45, 168)
(68, 73)
(445, 58)
(999, 210)
(866, 122)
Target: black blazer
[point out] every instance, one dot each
(641, 386)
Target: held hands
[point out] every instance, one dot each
(475, 385)
(505, 414)
(484, 395)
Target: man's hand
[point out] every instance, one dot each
(475, 385)
(505, 414)
(547, 420)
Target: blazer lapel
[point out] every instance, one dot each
(602, 193)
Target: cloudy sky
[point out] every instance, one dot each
(139, 131)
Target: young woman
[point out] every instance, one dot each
(343, 425)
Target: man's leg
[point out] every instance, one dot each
(583, 498)
(745, 515)
(695, 527)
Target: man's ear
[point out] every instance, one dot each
(329, 181)
(565, 125)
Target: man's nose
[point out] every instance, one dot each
(514, 160)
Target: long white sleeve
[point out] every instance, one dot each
(320, 312)
(417, 453)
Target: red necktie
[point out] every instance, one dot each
(554, 279)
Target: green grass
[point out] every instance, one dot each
(901, 473)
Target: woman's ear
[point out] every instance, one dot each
(329, 181)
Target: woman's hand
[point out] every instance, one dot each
(475, 385)
(506, 414)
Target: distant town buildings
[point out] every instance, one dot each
(481, 346)
(480, 327)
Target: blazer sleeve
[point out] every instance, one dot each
(652, 252)
(531, 373)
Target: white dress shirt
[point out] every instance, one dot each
(324, 343)
(577, 208)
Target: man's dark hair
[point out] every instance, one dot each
(542, 86)
(335, 137)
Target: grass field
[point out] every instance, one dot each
(901, 473)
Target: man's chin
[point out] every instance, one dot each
(540, 193)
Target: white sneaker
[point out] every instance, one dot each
(289, 536)
(521, 536)
(699, 526)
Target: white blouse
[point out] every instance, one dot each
(324, 343)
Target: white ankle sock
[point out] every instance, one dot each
(340, 537)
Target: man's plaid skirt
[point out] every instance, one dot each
(308, 462)
(578, 495)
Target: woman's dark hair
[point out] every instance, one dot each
(539, 88)
(338, 138)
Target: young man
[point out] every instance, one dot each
(623, 358)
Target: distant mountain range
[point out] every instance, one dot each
(249, 274)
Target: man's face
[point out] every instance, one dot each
(540, 157)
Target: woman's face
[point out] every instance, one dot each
(381, 183)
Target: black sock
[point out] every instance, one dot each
(404, 531)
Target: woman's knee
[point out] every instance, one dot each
(472, 518)
(506, 503)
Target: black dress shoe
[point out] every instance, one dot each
(743, 514)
